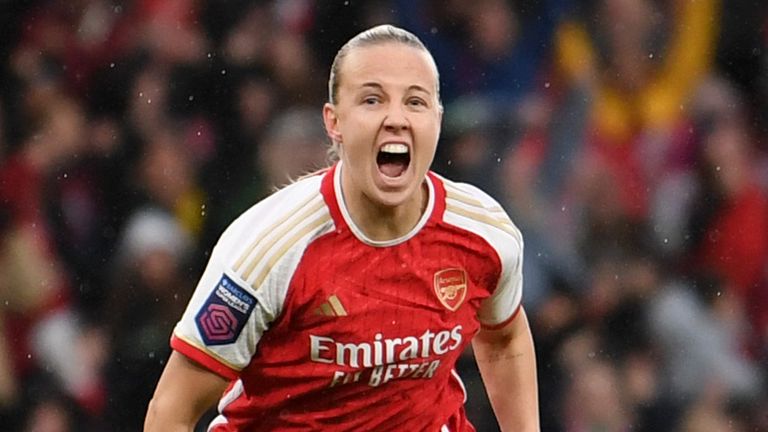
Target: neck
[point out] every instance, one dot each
(383, 223)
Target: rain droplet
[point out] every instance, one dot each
(191, 98)
(650, 55)
(591, 354)
(666, 240)
(546, 85)
(66, 175)
(717, 168)
(718, 293)
(111, 65)
(149, 101)
(151, 354)
(562, 208)
(346, 3)
(223, 71)
(498, 160)
(210, 55)
(433, 30)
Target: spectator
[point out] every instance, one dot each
(149, 291)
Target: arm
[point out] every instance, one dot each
(183, 394)
(507, 363)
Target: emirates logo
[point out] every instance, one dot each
(451, 287)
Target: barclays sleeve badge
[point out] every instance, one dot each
(225, 312)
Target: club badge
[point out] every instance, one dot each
(451, 287)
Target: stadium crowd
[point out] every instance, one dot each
(626, 138)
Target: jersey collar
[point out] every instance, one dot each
(334, 198)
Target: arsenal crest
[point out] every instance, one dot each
(451, 287)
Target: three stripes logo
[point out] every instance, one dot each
(331, 308)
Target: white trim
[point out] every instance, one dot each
(231, 395)
(357, 232)
(271, 252)
(444, 428)
(219, 420)
(461, 384)
(235, 392)
(286, 224)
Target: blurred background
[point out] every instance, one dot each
(626, 138)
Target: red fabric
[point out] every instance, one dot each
(384, 363)
(203, 359)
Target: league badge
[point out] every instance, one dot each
(451, 287)
(225, 312)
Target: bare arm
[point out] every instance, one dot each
(507, 363)
(183, 394)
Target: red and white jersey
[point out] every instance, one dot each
(322, 328)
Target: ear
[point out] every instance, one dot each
(331, 122)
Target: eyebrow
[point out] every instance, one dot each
(378, 86)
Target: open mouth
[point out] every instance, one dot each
(393, 159)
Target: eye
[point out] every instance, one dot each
(371, 100)
(417, 102)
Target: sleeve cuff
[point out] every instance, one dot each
(504, 323)
(204, 359)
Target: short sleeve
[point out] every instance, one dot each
(502, 306)
(474, 210)
(245, 283)
(224, 319)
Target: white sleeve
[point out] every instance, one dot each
(471, 208)
(497, 310)
(225, 317)
(244, 286)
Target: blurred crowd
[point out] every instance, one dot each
(626, 138)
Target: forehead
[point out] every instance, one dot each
(389, 63)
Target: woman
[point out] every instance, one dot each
(343, 301)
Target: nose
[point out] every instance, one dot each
(396, 118)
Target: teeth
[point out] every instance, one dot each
(395, 148)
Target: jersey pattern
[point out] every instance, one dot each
(321, 328)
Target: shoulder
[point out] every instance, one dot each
(473, 209)
(298, 208)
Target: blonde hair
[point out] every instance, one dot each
(384, 33)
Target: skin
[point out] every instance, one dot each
(387, 94)
(507, 363)
(183, 394)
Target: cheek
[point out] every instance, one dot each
(359, 132)
(428, 137)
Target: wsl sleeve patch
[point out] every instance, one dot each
(225, 312)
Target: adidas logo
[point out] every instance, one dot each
(331, 307)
